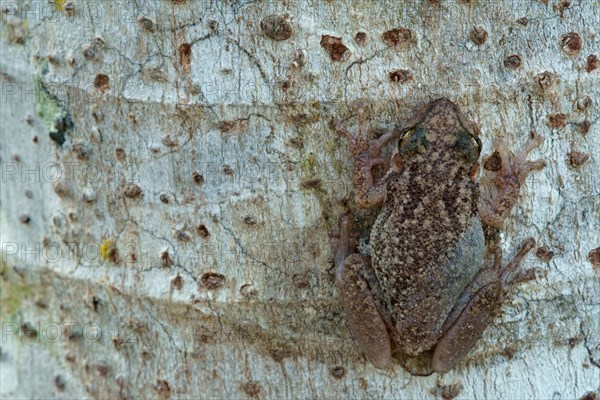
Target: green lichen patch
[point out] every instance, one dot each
(55, 117)
(15, 32)
(12, 292)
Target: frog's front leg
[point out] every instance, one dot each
(359, 294)
(477, 306)
(366, 156)
(510, 176)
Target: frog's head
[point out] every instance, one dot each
(440, 136)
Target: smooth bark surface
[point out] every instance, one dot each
(170, 182)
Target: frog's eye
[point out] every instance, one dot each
(406, 136)
(476, 142)
(469, 146)
(412, 141)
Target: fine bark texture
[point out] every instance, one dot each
(171, 180)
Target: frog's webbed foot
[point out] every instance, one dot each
(511, 172)
(477, 306)
(510, 275)
(366, 156)
(358, 291)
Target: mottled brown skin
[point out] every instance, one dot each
(428, 291)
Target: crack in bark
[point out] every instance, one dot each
(239, 244)
(595, 362)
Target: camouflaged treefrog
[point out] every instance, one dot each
(433, 282)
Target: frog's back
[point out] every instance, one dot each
(432, 242)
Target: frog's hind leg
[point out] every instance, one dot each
(357, 289)
(477, 307)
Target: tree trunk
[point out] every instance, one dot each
(170, 182)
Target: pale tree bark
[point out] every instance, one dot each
(170, 182)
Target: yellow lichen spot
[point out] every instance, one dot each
(60, 5)
(105, 249)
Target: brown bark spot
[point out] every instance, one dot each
(583, 103)
(286, 83)
(147, 23)
(198, 178)
(447, 392)
(360, 38)
(478, 35)
(113, 254)
(578, 158)
(81, 151)
(227, 170)
(590, 396)
(102, 82)
(163, 388)
(593, 62)
(89, 51)
(248, 291)
(182, 235)
(575, 340)
(513, 61)
(545, 80)
(561, 6)
(338, 372)
(59, 383)
(401, 76)
(185, 57)
(584, 126)
(213, 25)
(544, 254)
(132, 191)
(523, 21)
(165, 259)
(251, 388)
(157, 74)
(301, 280)
(594, 258)
(299, 59)
(169, 141)
(558, 120)
(310, 184)
(102, 368)
(177, 282)
(62, 188)
(571, 43)
(120, 154)
(132, 257)
(279, 351)
(335, 48)
(211, 280)
(202, 231)
(399, 37)
(276, 27)
(226, 126)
